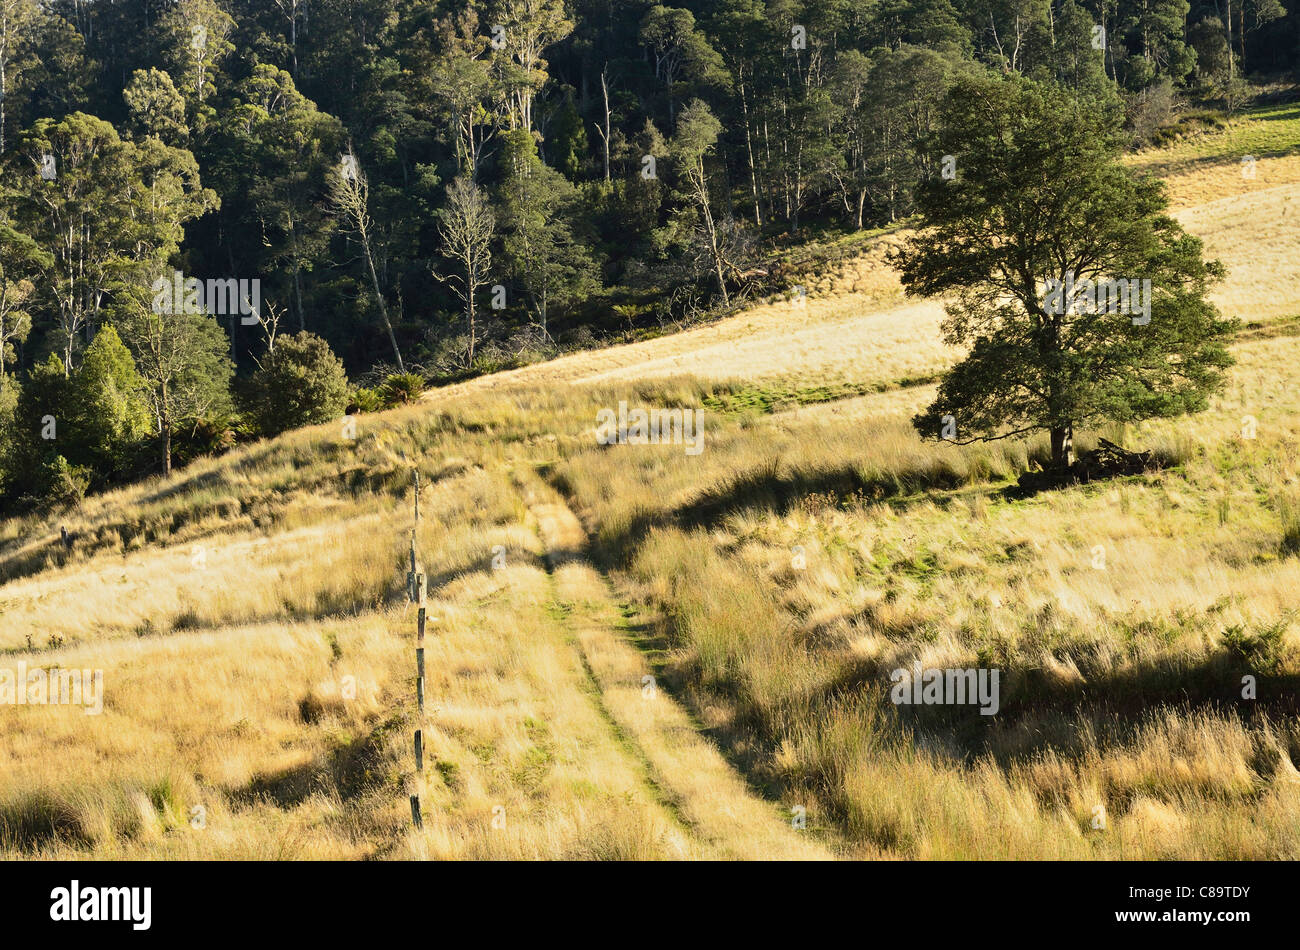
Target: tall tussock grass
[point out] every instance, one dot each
(804, 556)
(249, 618)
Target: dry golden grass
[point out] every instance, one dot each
(1208, 166)
(257, 651)
(820, 548)
(270, 683)
(857, 327)
(688, 770)
(1206, 182)
(1257, 236)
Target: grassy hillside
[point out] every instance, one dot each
(643, 653)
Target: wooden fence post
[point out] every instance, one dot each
(419, 678)
(417, 593)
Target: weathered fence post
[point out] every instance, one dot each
(417, 593)
(419, 676)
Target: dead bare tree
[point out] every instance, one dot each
(350, 198)
(270, 325)
(603, 132)
(466, 225)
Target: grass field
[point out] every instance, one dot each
(640, 653)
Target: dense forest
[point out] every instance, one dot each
(215, 212)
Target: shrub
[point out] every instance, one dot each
(301, 382)
(365, 399)
(65, 483)
(401, 388)
(1289, 510)
(1152, 111)
(1290, 546)
(1263, 649)
(9, 390)
(199, 437)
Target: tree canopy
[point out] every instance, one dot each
(428, 185)
(1078, 299)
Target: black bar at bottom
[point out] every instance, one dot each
(917, 902)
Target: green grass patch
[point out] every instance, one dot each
(1268, 131)
(769, 398)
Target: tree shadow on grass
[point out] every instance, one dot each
(1037, 712)
(772, 490)
(349, 770)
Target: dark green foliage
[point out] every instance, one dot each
(548, 264)
(1040, 195)
(62, 483)
(105, 406)
(37, 426)
(634, 162)
(401, 389)
(366, 399)
(300, 382)
(204, 436)
(182, 358)
(66, 431)
(1263, 649)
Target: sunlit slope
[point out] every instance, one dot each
(857, 326)
(257, 658)
(1257, 236)
(258, 653)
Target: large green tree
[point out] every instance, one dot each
(182, 358)
(522, 32)
(106, 411)
(195, 40)
(541, 251)
(74, 176)
(17, 19)
(157, 109)
(21, 259)
(107, 213)
(350, 200)
(1041, 196)
(275, 161)
(886, 108)
(452, 70)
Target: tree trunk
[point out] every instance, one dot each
(383, 310)
(297, 292)
(293, 38)
(767, 178)
(1227, 24)
(722, 283)
(604, 89)
(1063, 447)
(1241, 34)
(234, 317)
(702, 184)
(470, 304)
(2, 105)
(749, 152)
